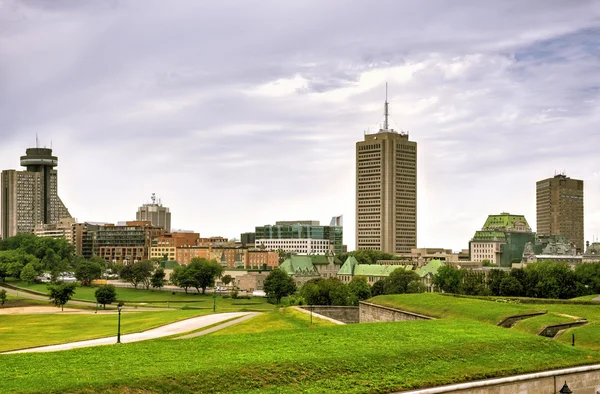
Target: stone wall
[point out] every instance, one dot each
(345, 314)
(512, 320)
(376, 313)
(581, 380)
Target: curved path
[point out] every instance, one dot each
(179, 327)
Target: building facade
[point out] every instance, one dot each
(167, 244)
(63, 229)
(501, 239)
(30, 198)
(129, 243)
(307, 237)
(84, 238)
(155, 213)
(559, 208)
(386, 191)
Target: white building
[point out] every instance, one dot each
(296, 245)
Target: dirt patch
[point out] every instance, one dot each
(569, 316)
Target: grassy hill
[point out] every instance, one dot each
(377, 357)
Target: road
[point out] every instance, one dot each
(179, 327)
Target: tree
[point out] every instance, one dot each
(510, 286)
(29, 273)
(181, 277)
(204, 272)
(106, 294)
(227, 279)
(378, 288)
(2, 296)
(472, 284)
(158, 278)
(279, 284)
(359, 289)
(493, 281)
(137, 273)
(448, 279)
(397, 282)
(87, 271)
(61, 293)
(330, 291)
(416, 286)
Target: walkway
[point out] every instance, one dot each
(179, 327)
(220, 326)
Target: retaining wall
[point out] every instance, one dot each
(377, 313)
(581, 380)
(345, 314)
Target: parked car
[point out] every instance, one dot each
(259, 293)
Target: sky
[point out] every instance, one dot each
(241, 113)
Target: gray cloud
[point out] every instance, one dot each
(243, 113)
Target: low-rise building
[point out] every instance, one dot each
(167, 244)
(501, 239)
(372, 272)
(592, 252)
(62, 229)
(300, 237)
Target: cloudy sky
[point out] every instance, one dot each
(241, 113)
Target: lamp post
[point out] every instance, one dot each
(565, 389)
(119, 307)
(215, 298)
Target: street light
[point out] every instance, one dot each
(119, 307)
(215, 298)
(565, 389)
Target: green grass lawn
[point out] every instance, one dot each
(359, 358)
(281, 319)
(23, 331)
(164, 299)
(534, 325)
(587, 297)
(436, 305)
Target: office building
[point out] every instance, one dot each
(560, 208)
(155, 213)
(301, 237)
(30, 197)
(386, 191)
(84, 238)
(128, 243)
(63, 229)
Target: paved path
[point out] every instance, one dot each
(220, 326)
(179, 327)
(596, 299)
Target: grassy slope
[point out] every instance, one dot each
(587, 297)
(436, 305)
(158, 298)
(379, 357)
(284, 319)
(23, 331)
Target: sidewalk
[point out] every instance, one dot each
(164, 331)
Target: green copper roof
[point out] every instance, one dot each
(505, 221)
(432, 267)
(319, 259)
(348, 267)
(375, 269)
(298, 264)
(485, 235)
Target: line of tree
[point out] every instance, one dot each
(368, 256)
(332, 291)
(199, 274)
(543, 279)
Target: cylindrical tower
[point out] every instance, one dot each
(41, 160)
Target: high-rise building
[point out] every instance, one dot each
(30, 197)
(386, 191)
(155, 213)
(560, 208)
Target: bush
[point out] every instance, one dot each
(234, 294)
(226, 296)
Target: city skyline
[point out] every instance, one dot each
(234, 129)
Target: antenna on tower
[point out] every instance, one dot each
(37, 141)
(153, 198)
(385, 111)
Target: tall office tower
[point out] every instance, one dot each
(560, 208)
(30, 197)
(155, 213)
(386, 191)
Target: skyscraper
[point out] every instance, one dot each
(560, 208)
(30, 197)
(155, 213)
(386, 191)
